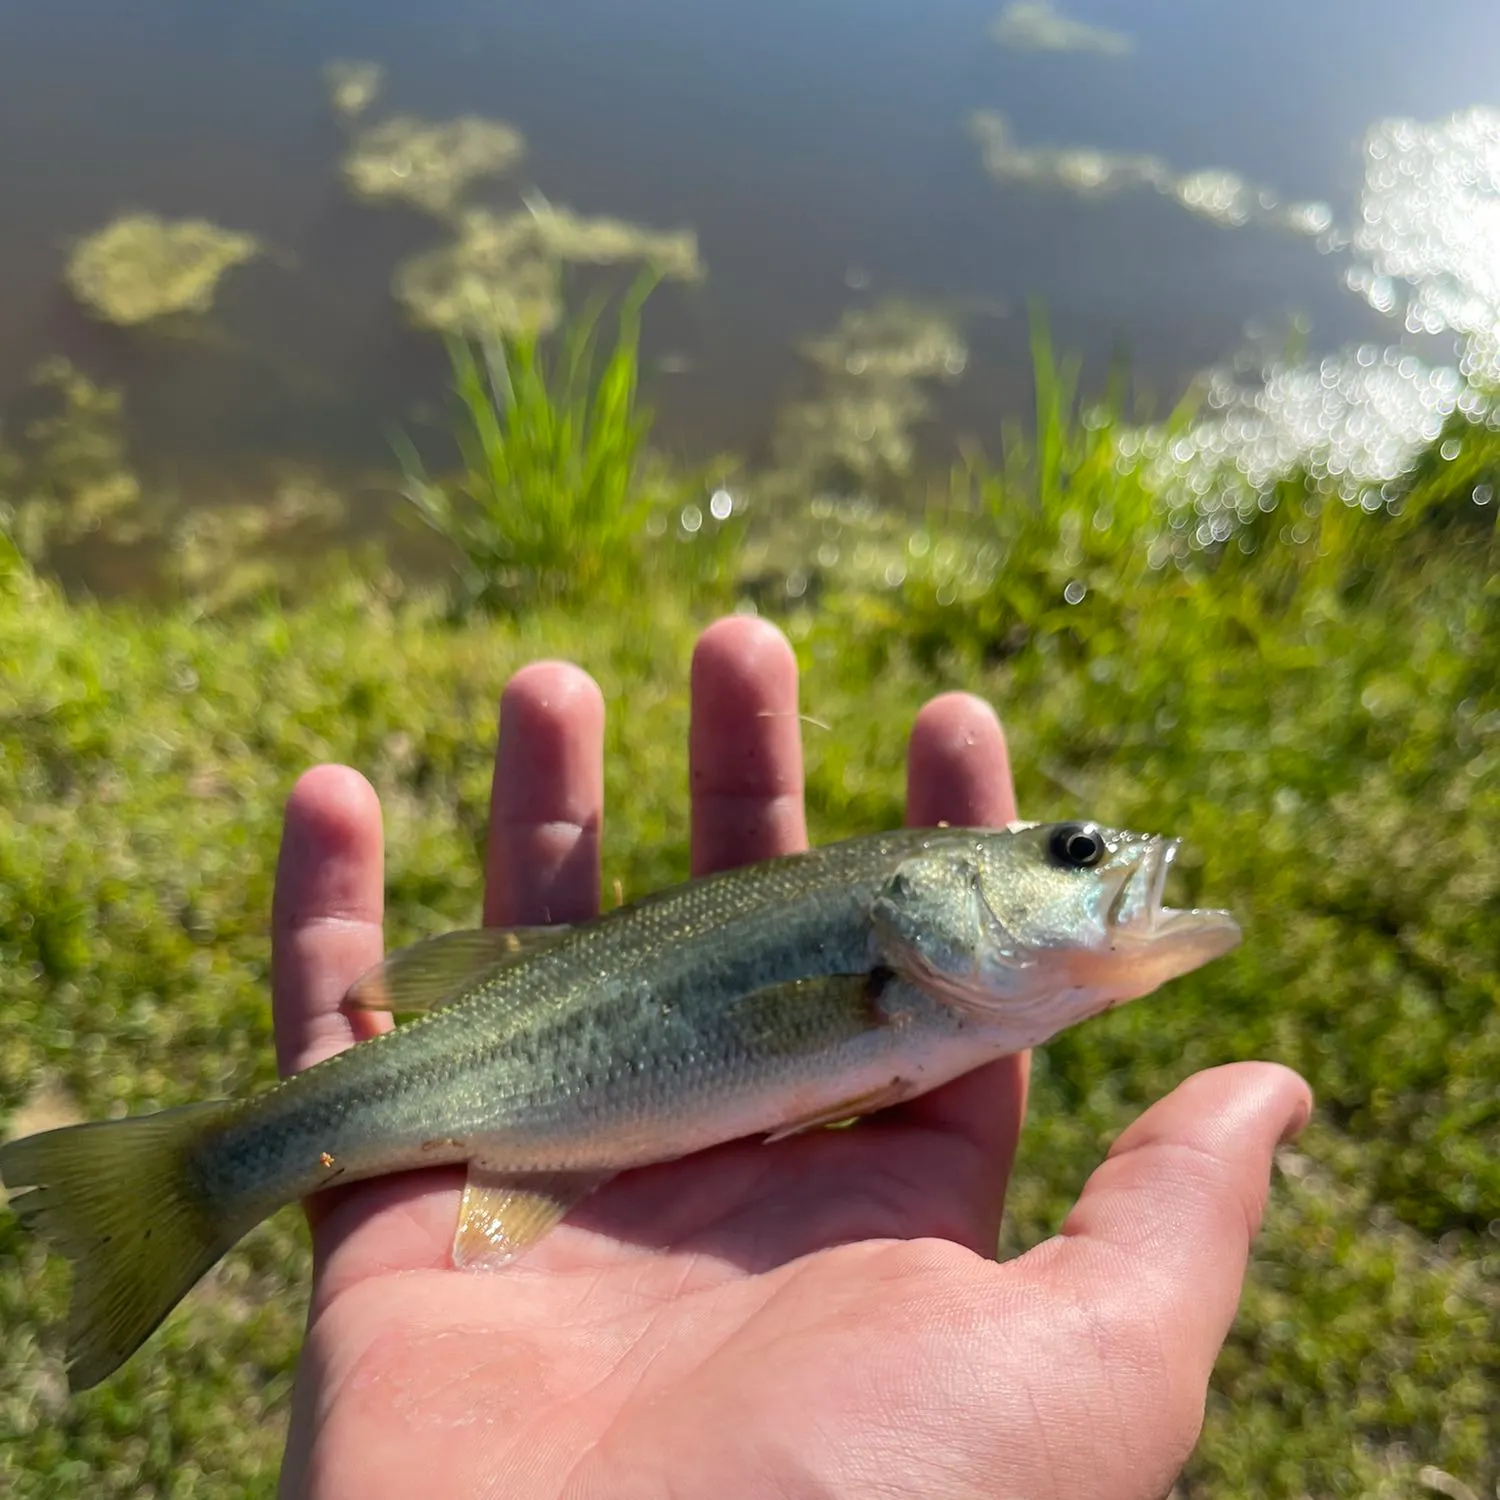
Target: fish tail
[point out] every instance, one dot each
(120, 1199)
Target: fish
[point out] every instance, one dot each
(764, 1001)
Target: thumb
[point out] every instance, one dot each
(1155, 1250)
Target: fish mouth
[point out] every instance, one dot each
(1138, 915)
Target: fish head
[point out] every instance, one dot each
(1036, 927)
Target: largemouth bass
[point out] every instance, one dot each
(761, 1001)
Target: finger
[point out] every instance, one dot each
(326, 915)
(542, 865)
(1157, 1245)
(958, 772)
(745, 746)
(547, 799)
(958, 766)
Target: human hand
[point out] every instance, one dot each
(822, 1317)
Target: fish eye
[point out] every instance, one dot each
(1077, 846)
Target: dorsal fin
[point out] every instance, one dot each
(429, 974)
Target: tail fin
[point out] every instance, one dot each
(120, 1200)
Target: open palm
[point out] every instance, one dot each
(821, 1317)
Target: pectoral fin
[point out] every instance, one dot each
(848, 1109)
(428, 974)
(504, 1212)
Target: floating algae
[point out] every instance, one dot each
(1040, 28)
(70, 501)
(850, 437)
(566, 236)
(1083, 170)
(1214, 193)
(353, 86)
(142, 267)
(491, 281)
(501, 275)
(224, 554)
(429, 166)
(855, 433)
(895, 340)
(73, 477)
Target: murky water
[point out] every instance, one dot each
(1167, 175)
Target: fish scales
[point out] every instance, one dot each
(626, 1014)
(758, 1002)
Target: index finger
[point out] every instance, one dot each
(326, 915)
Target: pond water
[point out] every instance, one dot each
(1172, 177)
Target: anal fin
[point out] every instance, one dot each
(848, 1109)
(504, 1212)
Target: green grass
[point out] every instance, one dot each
(556, 492)
(1319, 718)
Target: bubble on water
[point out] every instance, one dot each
(1075, 591)
(1483, 494)
(721, 505)
(691, 519)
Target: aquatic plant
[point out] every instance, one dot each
(72, 503)
(71, 477)
(501, 274)
(142, 267)
(893, 340)
(353, 86)
(572, 238)
(1213, 193)
(1040, 27)
(850, 437)
(219, 556)
(854, 433)
(427, 165)
(489, 282)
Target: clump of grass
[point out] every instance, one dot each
(557, 496)
(1068, 534)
